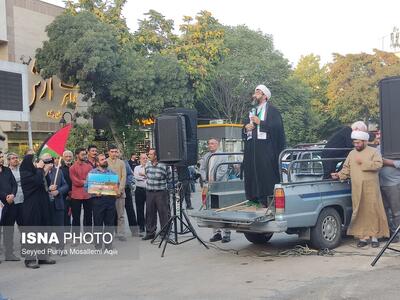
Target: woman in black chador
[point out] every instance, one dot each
(36, 207)
(264, 141)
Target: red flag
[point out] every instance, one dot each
(55, 144)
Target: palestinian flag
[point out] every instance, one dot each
(55, 144)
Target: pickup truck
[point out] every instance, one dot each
(303, 203)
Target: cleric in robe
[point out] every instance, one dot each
(264, 140)
(362, 165)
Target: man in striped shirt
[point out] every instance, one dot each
(158, 177)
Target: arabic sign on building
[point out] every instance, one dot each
(49, 98)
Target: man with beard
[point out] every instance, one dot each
(58, 189)
(66, 163)
(78, 173)
(104, 210)
(118, 166)
(8, 191)
(362, 165)
(264, 141)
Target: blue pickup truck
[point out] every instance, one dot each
(303, 203)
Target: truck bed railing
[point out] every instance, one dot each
(223, 163)
(294, 163)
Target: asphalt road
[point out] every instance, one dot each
(237, 270)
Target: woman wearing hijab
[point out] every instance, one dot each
(36, 207)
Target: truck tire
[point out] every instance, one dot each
(258, 238)
(327, 233)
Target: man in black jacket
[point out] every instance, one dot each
(8, 190)
(65, 165)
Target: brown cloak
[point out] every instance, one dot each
(368, 218)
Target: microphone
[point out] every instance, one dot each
(252, 113)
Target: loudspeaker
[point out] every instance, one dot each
(176, 136)
(389, 90)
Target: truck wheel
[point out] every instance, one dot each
(258, 238)
(327, 233)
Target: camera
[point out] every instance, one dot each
(48, 161)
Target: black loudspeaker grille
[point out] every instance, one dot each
(389, 89)
(170, 137)
(188, 136)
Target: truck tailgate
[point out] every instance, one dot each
(242, 217)
(241, 221)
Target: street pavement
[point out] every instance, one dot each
(236, 270)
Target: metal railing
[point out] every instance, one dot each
(225, 162)
(295, 161)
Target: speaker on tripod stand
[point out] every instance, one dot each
(176, 145)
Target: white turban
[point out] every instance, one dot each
(359, 125)
(359, 135)
(265, 90)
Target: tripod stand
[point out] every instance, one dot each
(185, 225)
(387, 246)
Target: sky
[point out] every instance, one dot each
(298, 27)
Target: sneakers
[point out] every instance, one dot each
(122, 238)
(216, 237)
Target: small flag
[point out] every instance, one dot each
(55, 144)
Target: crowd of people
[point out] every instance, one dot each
(46, 192)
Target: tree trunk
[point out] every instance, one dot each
(117, 140)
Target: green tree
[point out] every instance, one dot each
(293, 100)
(200, 48)
(107, 11)
(81, 135)
(353, 84)
(155, 34)
(121, 83)
(316, 77)
(250, 60)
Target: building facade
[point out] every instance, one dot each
(22, 31)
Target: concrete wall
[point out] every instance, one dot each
(26, 23)
(3, 21)
(29, 31)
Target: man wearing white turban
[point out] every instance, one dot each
(362, 165)
(264, 140)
